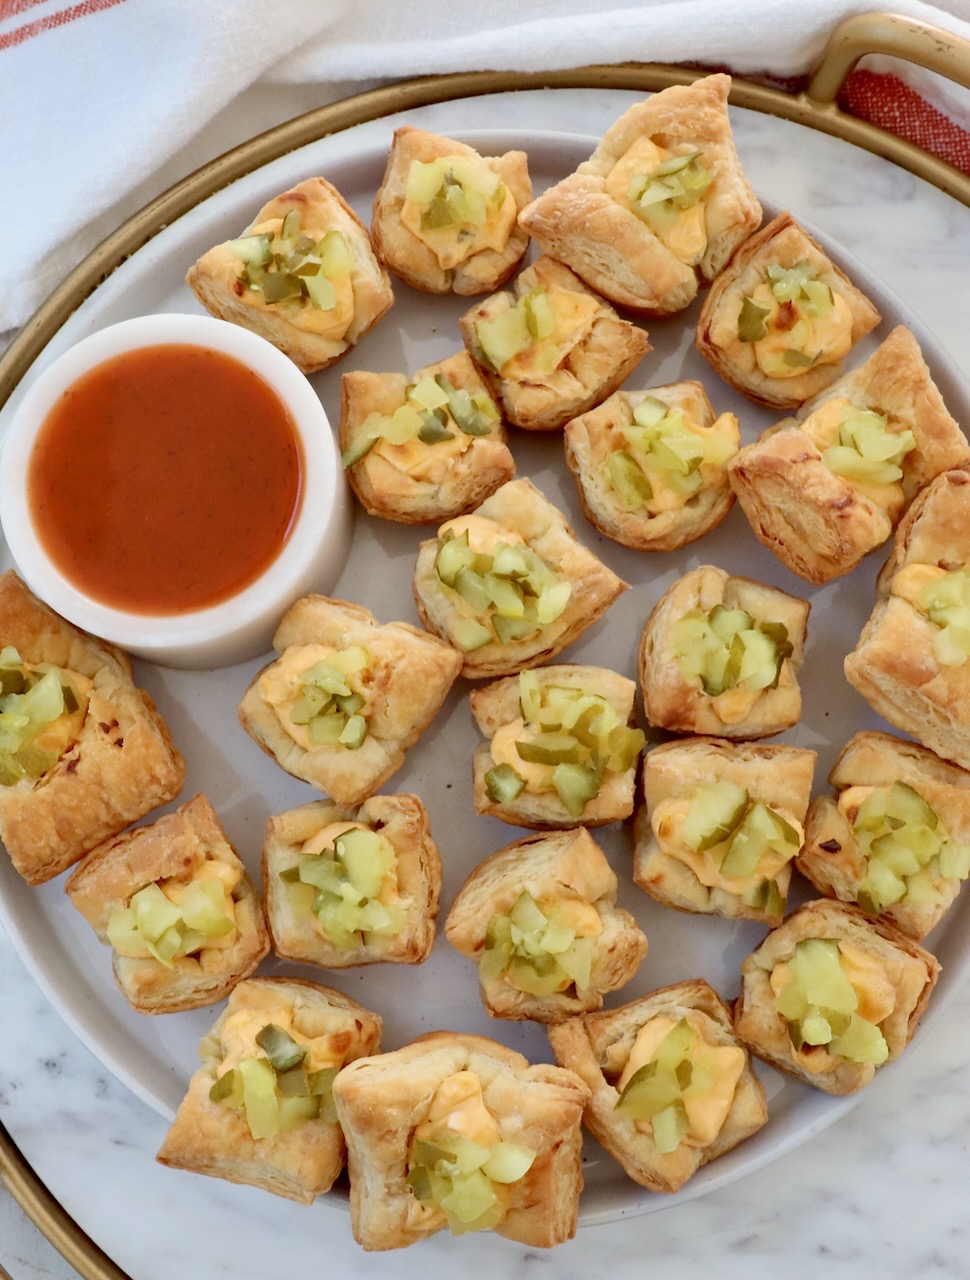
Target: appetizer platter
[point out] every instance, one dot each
(155, 1057)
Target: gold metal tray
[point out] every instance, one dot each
(815, 107)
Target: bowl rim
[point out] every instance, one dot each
(277, 584)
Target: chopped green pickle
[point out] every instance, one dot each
(329, 707)
(660, 441)
(31, 700)
(819, 1004)
(503, 784)
(512, 591)
(151, 922)
(868, 451)
(679, 1068)
(277, 1093)
(535, 953)
(659, 196)
(280, 1047)
(530, 322)
(458, 1176)
(727, 648)
(291, 266)
(945, 601)
(346, 881)
(432, 408)
(908, 851)
(577, 735)
(752, 321)
(714, 812)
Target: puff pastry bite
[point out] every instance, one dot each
(831, 995)
(445, 217)
(672, 1089)
(260, 1109)
(346, 697)
(352, 886)
(721, 824)
(651, 466)
(551, 348)
(508, 585)
(83, 752)
(540, 920)
(824, 491)
(175, 904)
(303, 275)
(895, 837)
(912, 661)
(561, 747)
(424, 448)
(781, 317)
(720, 655)
(660, 205)
(458, 1131)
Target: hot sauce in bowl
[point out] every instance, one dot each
(172, 484)
(195, 472)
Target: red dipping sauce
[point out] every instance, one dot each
(165, 480)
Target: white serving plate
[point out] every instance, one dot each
(154, 1057)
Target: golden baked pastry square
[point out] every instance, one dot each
(445, 217)
(174, 902)
(84, 752)
(651, 466)
(659, 206)
(895, 837)
(781, 317)
(550, 348)
(424, 448)
(352, 886)
(672, 1088)
(720, 655)
(347, 696)
(824, 490)
(912, 660)
(457, 1131)
(721, 824)
(539, 919)
(562, 747)
(831, 995)
(303, 275)
(508, 585)
(260, 1111)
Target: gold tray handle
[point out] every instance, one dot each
(889, 33)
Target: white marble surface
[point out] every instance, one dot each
(880, 1193)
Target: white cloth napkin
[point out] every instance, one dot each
(105, 103)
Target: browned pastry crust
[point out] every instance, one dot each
(410, 674)
(175, 847)
(672, 702)
(212, 1138)
(122, 765)
(597, 1046)
(497, 705)
(591, 437)
(779, 776)
(818, 523)
(909, 967)
(783, 242)
(566, 866)
(520, 507)
(217, 280)
(444, 483)
(831, 857)
(614, 251)
(601, 358)
(412, 259)
(893, 665)
(402, 820)
(380, 1101)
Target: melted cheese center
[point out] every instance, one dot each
(241, 1027)
(458, 1108)
(687, 237)
(707, 1111)
(667, 821)
(281, 688)
(825, 339)
(455, 242)
(574, 313)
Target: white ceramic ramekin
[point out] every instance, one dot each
(242, 626)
